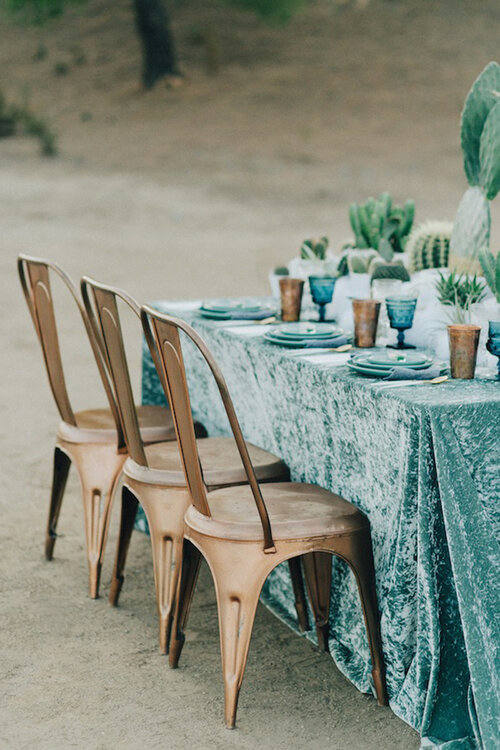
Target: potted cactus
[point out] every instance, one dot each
(480, 138)
(428, 246)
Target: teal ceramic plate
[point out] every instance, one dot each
(306, 330)
(302, 343)
(227, 305)
(395, 359)
(373, 372)
(362, 361)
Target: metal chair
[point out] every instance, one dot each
(154, 475)
(92, 439)
(243, 532)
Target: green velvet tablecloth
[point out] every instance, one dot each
(423, 464)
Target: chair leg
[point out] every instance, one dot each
(62, 463)
(299, 593)
(99, 467)
(191, 559)
(127, 520)
(360, 560)
(237, 606)
(318, 575)
(167, 562)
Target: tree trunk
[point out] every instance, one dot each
(159, 58)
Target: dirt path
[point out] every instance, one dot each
(177, 194)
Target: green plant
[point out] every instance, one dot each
(358, 261)
(281, 271)
(480, 138)
(29, 124)
(428, 245)
(491, 269)
(314, 249)
(381, 225)
(459, 291)
(380, 269)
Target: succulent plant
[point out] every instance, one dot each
(460, 291)
(314, 249)
(381, 269)
(428, 245)
(358, 261)
(381, 225)
(491, 269)
(281, 271)
(480, 138)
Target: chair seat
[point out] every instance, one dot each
(296, 511)
(220, 461)
(98, 426)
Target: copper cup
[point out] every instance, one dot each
(464, 340)
(366, 313)
(291, 298)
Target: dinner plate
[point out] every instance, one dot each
(323, 343)
(373, 372)
(395, 359)
(233, 314)
(362, 361)
(307, 330)
(228, 306)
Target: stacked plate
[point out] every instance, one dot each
(305, 335)
(379, 364)
(226, 309)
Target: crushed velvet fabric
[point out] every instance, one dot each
(423, 464)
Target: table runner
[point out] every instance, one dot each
(423, 464)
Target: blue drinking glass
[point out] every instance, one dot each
(493, 343)
(400, 311)
(322, 292)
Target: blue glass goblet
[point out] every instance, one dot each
(493, 343)
(400, 311)
(322, 292)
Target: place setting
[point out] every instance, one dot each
(407, 368)
(227, 310)
(309, 336)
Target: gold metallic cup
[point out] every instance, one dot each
(366, 313)
(464, 340)
(291, 298)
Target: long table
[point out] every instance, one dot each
(423, 464)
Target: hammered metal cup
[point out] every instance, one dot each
(291, 298)
(366, 312)
(464, 340)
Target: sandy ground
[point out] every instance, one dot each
(185, 193)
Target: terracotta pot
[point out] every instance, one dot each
(464, 340)
(366, 312)
(291, 298)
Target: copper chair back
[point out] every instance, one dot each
(101, 306)
(34, 274)
(162, 336)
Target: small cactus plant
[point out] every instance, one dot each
(491, 269)
(381, 269)
(381, 225)
(480, 138)
(314, 249)
(428, 245)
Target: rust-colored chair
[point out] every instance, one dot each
(154, 475)
(92, 439)
(245, 531)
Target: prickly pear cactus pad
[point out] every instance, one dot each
(480, 137)
(471, 232)
(421, 464)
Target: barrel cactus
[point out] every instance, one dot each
(428, 245)
(381, 269)
(480, 138)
